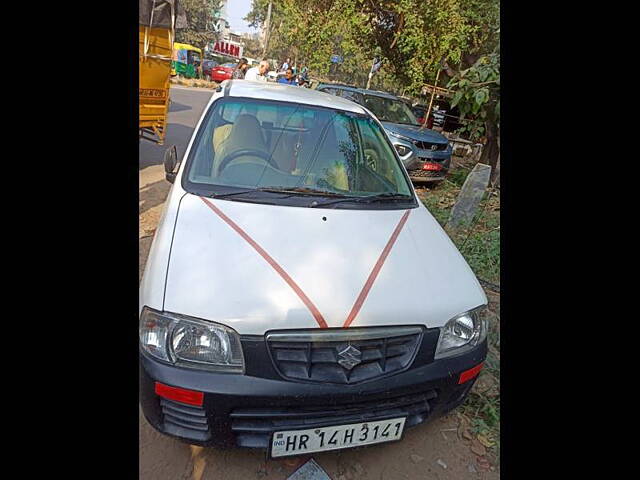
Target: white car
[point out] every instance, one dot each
(297, 296)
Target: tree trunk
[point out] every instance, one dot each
(496, 178)
(491, 150)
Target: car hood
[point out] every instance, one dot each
(215, 273)
(415, 132)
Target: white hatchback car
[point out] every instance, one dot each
(298, 297)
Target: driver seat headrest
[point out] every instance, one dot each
(245, 133)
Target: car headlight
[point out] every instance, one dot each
(402, 137)
(190, 342)
(461, 333)
(402, 150)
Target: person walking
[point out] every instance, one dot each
(240, 70)
(258, 74)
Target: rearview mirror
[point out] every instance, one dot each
(170, 162)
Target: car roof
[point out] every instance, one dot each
(288, 93)
(376, 93)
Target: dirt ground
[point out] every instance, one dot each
(435, 450)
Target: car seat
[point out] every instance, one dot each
(245, 133)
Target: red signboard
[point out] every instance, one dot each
(228, 48)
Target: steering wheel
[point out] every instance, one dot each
(262, 155)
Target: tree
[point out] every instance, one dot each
(478, 93)
(417, 40)
(200, 15)
(252, 46)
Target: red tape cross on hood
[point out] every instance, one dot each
(294, 286)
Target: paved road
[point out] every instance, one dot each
(422, 452)
(184, 112)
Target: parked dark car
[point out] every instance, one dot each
(426, 154)
(207, 66)
(442, 115)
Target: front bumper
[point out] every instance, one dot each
(245, 410)
(442, 158)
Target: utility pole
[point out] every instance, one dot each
(377, 64)
(267, 26)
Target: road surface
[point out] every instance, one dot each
(185, 110)
(429, 451)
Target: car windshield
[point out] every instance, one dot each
(229, 65)
(390, 110)
(262, 145)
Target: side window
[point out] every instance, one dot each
(331, 91)
(353, 96)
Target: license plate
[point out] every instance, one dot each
(431, 166)
(298, 442)
(152, 92)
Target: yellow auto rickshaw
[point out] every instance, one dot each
(186, 59)
(158, 21)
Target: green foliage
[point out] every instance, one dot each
(458, 176)
(478, 93)
(483, 18)
(252, 47)
(200, 18)
(413, 37)
(482, 252)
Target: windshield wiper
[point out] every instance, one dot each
(366, 199)
(230, 194)
(302, 190)
(288, 190)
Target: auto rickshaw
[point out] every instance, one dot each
(158, 21)
(186, 59)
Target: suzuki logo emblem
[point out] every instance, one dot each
(349, 357)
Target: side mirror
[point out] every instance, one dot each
(170, 163)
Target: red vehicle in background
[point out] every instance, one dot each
(222, 72)
(207, 66)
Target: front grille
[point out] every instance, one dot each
(427, 173)
(429, 146)
(325, 356)
(253, 426)
(185, 420)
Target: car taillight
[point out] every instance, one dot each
(431, 166)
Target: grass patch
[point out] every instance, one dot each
(480, 246)
(458, 176)
(193, 82)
